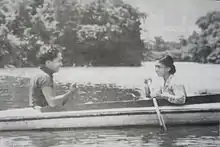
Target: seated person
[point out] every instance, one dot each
(42, 89)
(170, 91)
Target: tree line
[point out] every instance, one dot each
(97, 33)
(202, 46)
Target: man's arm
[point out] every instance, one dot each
(55, 101)
(44, 82)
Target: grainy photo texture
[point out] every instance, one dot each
(103, 73)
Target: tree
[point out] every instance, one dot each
(110, 34)
(204, 46)
(102, 32)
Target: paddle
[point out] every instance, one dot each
(159, 115)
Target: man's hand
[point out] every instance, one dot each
(73, 88)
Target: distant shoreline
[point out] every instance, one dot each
(145, 61)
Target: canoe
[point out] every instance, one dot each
(198, 110)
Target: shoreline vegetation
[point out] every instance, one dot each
(95, 33)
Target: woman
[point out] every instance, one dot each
(172, 92)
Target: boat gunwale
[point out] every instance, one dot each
(193, 108)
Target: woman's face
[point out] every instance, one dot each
(161, 69)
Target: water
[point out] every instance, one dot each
(124, 137)
(196, 77)
(201, 136)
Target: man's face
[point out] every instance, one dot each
(56, 63)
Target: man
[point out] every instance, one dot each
(42, 92)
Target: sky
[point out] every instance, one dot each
(172, 18)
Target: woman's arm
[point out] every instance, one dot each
(178, 96)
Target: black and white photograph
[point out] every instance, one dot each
(109, 73)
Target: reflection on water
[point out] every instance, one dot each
(123, 137)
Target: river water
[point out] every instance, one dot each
(201, 136)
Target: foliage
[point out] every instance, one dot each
(205, 46)
(159, 47)
(90, 34)
(159, 44)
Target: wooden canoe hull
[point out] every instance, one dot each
(31, 119)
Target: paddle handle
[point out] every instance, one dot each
(160, 118)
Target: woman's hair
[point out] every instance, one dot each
(168, 62)
(47, 53)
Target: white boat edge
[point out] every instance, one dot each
(33, 119)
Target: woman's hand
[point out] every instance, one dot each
(149, 90)
(155, 94)
(163, 96)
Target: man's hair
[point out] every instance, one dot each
(47, 53)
